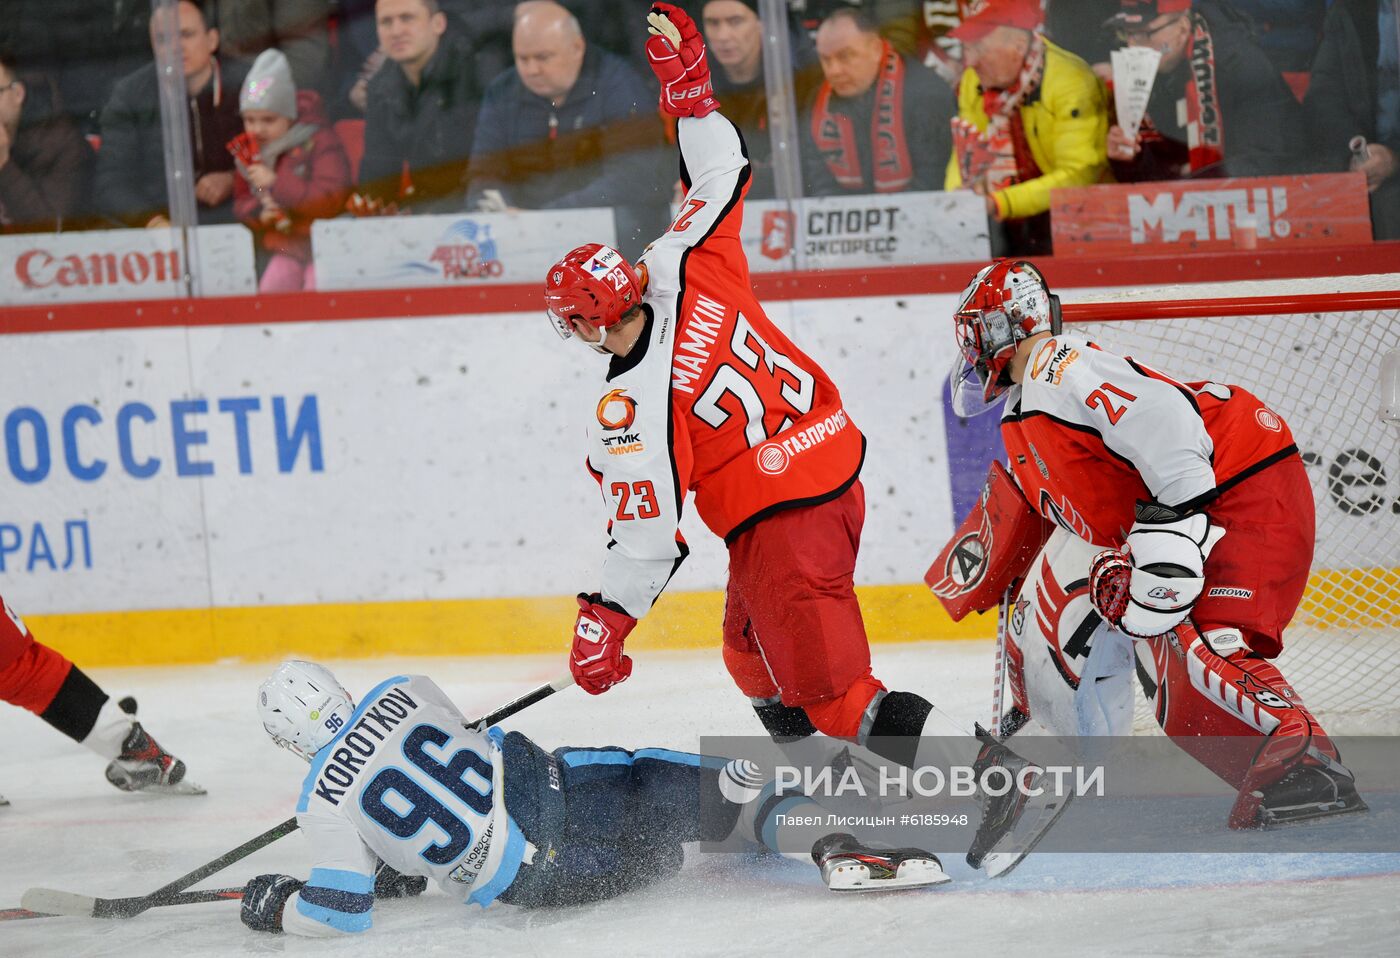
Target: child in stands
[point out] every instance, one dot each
(292, 171)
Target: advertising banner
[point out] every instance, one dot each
(375, 460)
(395, 252)
(43, 268)
(1197, 216)
(854, 232)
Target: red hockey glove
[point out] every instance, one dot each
(597, 661)
(676, 52)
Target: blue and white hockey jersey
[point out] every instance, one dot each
(407, 781)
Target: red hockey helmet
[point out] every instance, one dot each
(1006, 303)
(593, 284)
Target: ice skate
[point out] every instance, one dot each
(848, 865)
(1307, 793)
(143, 766)
(1007, 833)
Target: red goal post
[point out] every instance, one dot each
(1312, 350)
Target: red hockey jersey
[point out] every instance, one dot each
(1089, 433)
(713, 398)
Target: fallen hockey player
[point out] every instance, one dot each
(401, 790)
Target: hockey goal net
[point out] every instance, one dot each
(1313, 351)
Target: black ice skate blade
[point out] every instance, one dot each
(1273, 819)
(999, 863)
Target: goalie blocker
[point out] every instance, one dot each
(991, 549)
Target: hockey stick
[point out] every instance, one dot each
(524, 702)
(183, 898)
(50, 902)
(999, 670)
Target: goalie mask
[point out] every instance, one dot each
(1005, 304)
(593, 284)
(303, 707)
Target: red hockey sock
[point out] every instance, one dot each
(842, 717)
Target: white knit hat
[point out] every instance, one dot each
(270, 86)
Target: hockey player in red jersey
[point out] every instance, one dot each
(1198, 498)
(704, 393)
(35, 677)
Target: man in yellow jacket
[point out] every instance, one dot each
(1031, 117)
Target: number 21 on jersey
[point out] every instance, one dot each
(1113, 405)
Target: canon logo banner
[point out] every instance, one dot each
(124, 264)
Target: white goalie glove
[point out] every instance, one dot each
(1149, 587)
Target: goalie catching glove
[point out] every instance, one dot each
(676, 53)
(1149, 587)
(597, 662)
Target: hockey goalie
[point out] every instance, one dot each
(1148, 525)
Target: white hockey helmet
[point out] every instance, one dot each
(303, 707)
(1005, 304)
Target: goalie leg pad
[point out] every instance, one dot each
(1232, 711)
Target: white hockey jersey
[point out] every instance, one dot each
(407, 781)
(1089, 433)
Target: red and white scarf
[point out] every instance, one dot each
(1001, 155)
(1205, 133)
(836, 139)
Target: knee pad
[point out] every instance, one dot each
(750, 673)
(850, 714)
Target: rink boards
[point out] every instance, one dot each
(416, 485)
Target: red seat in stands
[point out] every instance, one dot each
(1298, 83)
(352, 137)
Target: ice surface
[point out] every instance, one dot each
(68, 829)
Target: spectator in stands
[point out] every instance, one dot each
(296, 27)
(421, 111)
(915, 28)
(1218, 106)
(734, 36)
(1033, 117)
(878, 123)
(292, 171)
(130, 183)
(570, 126)
(45, 164)
(1288, 31)
(1355, 92)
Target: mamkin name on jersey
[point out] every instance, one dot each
(359, 743)
(695, 340)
